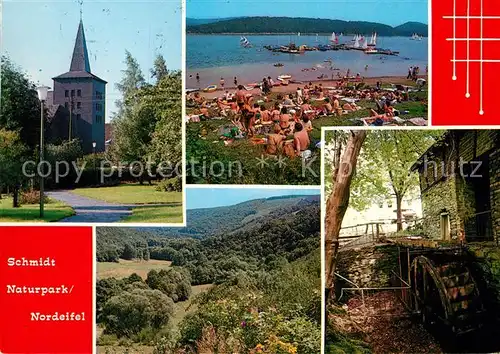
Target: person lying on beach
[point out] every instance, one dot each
(288, 101)
(350, 107)
(301, 139)
(275, 141)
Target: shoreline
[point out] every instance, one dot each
(292, 87)
(278, 34)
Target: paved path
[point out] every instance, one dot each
(91, 210)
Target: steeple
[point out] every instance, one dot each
(80, 59)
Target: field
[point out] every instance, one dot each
(54, 211)
(130, 194)
(126, 268)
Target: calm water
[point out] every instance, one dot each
(216, 56)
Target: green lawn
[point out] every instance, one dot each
(53, 211)
(156, 214)
(130, 194)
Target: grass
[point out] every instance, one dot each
(130, 194)
(238, 163)
(156, 214)
(126, 268)
(53, 211)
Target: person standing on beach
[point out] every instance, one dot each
(235, 82)
(240, 97)
(197, 77)
(222, 83)
(410, 73)
(271, 82)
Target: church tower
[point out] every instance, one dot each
(83, 95)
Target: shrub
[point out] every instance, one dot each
(32, 197)
(170, 185)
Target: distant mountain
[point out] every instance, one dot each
(203, 223)
(409, 28)
(305, 25)
(204, 21)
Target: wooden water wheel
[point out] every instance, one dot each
(446, 294)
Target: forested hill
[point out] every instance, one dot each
(280, 234)
(305, 25)
(212, 221)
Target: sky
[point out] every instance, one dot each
(39, 36)
(391, 12)
(215, 197)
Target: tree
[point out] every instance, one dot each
(129, 252)
(128, 313)
(159, 70)
(20, 108)
(12, 155)
(338, 201)
(394, 152)
(132, 78)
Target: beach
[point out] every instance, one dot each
(371, 81)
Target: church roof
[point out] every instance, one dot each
(80, 64)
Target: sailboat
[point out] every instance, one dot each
(334, 38)
(245, 43)
(356, 42)
(373, 40)
(416, 37)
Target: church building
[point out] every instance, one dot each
(77, 103)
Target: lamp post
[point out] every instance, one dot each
(42, 96)
(94, 144)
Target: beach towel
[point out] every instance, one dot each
(421, 122)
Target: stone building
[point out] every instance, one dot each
(460, 186)
(78, 98)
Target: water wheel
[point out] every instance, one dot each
(446, 294)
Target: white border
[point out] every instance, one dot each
(429, 63)
(94, 291)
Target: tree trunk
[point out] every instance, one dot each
(399, 213)
(337, 204)
(15, 199)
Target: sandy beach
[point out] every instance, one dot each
(325, 83)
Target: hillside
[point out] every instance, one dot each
(304, 25)
(211, 221)
(204, 21)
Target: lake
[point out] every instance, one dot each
(216, 56)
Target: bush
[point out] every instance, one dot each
(32, 197)
(170, 185)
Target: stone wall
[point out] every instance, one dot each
(441, 197)
(486, 269)
(368, 266)
(495, 193)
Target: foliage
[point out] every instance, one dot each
(305, 25)
(148, 124)
(12, 156)
(175, 283)
(32, 197)
(20, 109)
(170, 185)
(54, 211)
(128, 313)
(258, 313)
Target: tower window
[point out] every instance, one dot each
(66, 93)
(66, 105)
(78, 116)
(98, 107)
(72, 93)
(98, 119)
(78, 105)
(79, 93)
